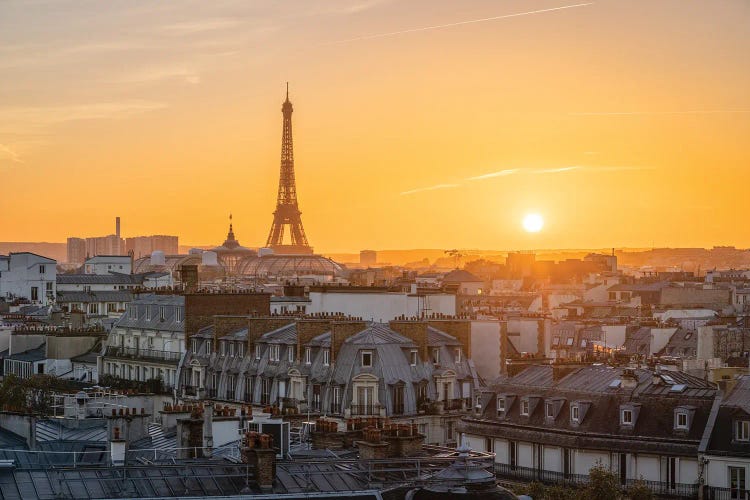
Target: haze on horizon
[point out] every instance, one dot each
(427, 124)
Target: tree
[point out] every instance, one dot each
(603, 484)
(12, 393)
(640, 491)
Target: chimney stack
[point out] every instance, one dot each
(117, 226)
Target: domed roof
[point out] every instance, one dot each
(291, 265)
(232, 245)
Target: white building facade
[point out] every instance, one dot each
(26, 275)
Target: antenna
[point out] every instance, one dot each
(287, 91)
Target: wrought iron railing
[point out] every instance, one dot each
(211, 392)
(715, 493)
(398, 408)
(149, 354)
(508, 471)
(190, 390)
(365, 409)
(453, 404)
(336, 408)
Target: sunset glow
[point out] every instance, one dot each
(416, 124)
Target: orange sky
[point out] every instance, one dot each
(624, 123)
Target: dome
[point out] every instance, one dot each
(291, 265)
(231, 253)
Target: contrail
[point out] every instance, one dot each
(460, 23)
(500, 173)
(430, 188)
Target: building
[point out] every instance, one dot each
(462, 282)
(415, 371)
(554, 423)
(76, 251)
(148, 340)
(142, 246)
(107, 263)
(27, 276)
(368, 258)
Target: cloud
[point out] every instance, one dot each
(161, 73)
(6, 153)
(556, 170)
(499, 173)
(189, 28)
(430, 188)
(459, 23)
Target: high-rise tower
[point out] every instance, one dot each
(287, 212)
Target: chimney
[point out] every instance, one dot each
(342, 330)
(117, 448)
(208, 429)
(416, 331)
(459, 328)
(117, 226)
(308, 329)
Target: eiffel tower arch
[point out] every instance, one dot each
(287, 215)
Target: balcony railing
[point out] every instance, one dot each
(508, 471)
(247, 397)
(365, 409)
(398, 408)
(190, 390)
(211, 392)
(230, 394)
(715, 493)
(147, 354)
(289, 402)
(265, 399)
(336, 408)
(453, 404)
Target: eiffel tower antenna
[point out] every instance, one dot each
(287, 212)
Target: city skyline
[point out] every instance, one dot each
(427, 126)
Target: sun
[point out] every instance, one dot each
(533, 223)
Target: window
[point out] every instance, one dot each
(49, 288)
(148, 313)
(42, 269)
(162, 313)
(133, 312)
(414, 356)
(273, 352)
(500, 405)
(436, 356)
(550, 410)
(209, 345)
(178, 314)
(737, 482)
(366, 359)
(223, 348)
(34, 293)
(569, 341)
(231, 349)
(574, 414)
(257, 351)
(290, 353)
(682, 421)
(241, 350)
(612, 295)
(421, 393)
(555, 340)
(742, 430)
(194, 345)
(626, 417)
(326, 357)
(525, 407)
(458, 354)
(308, 355)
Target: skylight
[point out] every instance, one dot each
(615, 383)
(678, 388)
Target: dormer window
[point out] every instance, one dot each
(436, 356)
(162, 313)
(681, 422)
(223, 348)
(231, 349)
(525, 407)
(414, 357)
(209, 345)
(555, 340)
(178, 314)
(626, 417)
(290, 354)
(273, 352)
(133, 312)
(575, 414)
(194, 345)
(257, 351)
(308, 355)
(742, 430)
(500, 406)
(549, 410)
(326, 357)
(366, 359)
(458, 354)
(241, 350)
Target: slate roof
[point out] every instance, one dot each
(599, 392)
(64, 297)
(683, 344)
(144, 322)
(105, 279)
(734, 406)
(32, 355)
(460, 276)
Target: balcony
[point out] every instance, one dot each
(190, 390)
(453, 404)
(211, 393)
(143, 354)
(360, 410)
(716, 493)
(247, 397)
(336, 409)
(682, 490)
(230, 395)
(398, 408)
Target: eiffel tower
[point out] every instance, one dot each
(287, 211)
